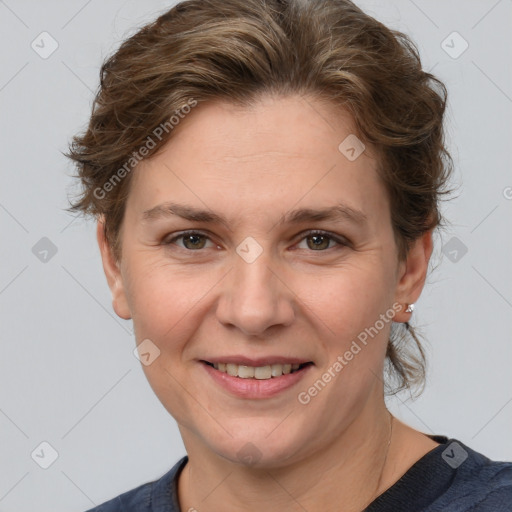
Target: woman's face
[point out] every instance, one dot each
(292, 261)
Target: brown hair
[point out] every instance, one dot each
(237, 50)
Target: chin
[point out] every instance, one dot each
(254, 447)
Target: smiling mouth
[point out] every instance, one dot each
(257, 372)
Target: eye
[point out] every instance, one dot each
(321, 240)
(192, 240)
(316, 241)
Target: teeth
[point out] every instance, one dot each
(259, 372)
(232, 369)
(276, 370)
(246, 372)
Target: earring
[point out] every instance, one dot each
(410, 308)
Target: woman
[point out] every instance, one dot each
(266, 178)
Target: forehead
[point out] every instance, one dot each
(298, 126)
(274, 155)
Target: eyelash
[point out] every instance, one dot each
(315, 232)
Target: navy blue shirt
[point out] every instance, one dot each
(449, 478)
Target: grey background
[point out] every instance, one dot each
(68, 374)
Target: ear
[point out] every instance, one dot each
(412, 274)
(113, 274)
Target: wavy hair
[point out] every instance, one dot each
(238, 50)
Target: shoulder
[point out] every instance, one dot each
(450, 478)
(478, 484)
(137, 499)
(154, 496)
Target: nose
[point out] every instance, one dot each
(256, 296)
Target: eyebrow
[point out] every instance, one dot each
(332, 213)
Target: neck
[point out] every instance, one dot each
(351, 470)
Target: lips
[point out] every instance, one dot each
(256, 361)
(256, 382)
(263, 372)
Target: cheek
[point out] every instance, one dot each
(164, 303)
(168, 303)
(352, 311)
(348, 299)
(162, 299)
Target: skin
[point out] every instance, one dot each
(252, 166)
